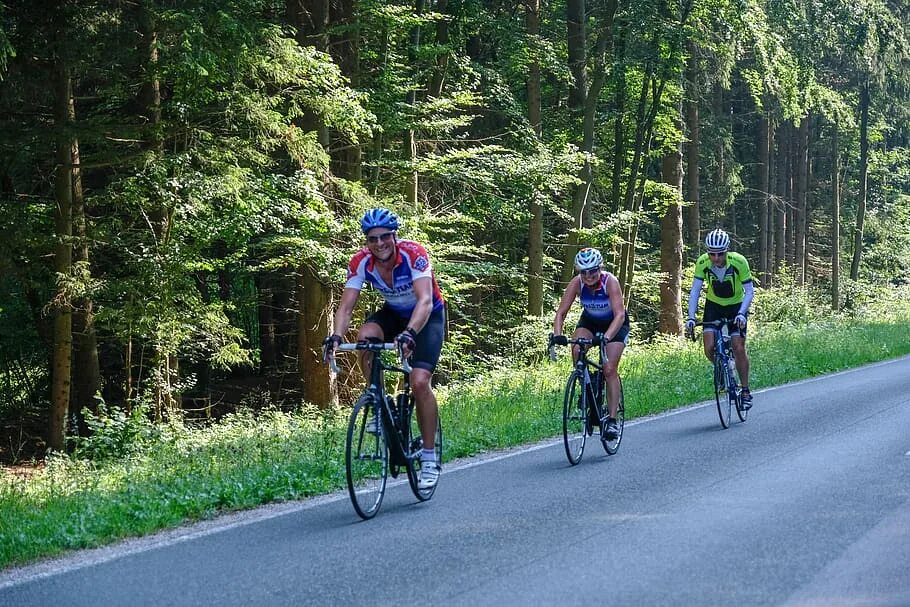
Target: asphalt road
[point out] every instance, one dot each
(807, 503)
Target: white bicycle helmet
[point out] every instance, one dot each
(588, 258)
(717, 241)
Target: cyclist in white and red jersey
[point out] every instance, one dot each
(413, 316)
(603, 311)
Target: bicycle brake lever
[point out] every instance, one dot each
(406, 367)
(551, 353)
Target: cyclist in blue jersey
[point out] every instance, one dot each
(603, 311)
(413, 316)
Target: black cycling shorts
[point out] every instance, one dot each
(428, 342)
(715, 311)
(596, 326)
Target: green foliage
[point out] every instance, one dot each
(114, 433)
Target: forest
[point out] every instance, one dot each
(181, 182)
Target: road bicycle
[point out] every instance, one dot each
(727, 393)
(583, 405)
(383, 434)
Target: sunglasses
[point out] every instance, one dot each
(383, 237)
(589, 272)
(721, 254)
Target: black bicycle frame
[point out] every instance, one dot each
(394, 417)
(583, 368)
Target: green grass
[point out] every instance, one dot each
(189, 474)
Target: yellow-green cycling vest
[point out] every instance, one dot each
(728, 291)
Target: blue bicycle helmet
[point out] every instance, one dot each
(379, 217)
(588, 258)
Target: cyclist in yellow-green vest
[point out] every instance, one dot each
(728, 294)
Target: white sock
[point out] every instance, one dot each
(428, 455)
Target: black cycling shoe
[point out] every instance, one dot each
(745, 399)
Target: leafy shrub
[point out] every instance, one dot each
(115, 433)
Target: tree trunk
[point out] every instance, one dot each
(86, 371)
(581, 209)
(628, 269)
(166, 363)
(310, 19)
(764, 189)
(799, 218)
(576, 40)
(411, 186)
(671, 248)
(723, 125)
(644, 125)
(780, 205)
(442, 39)
(863, 179)
(789, 189)
(619, 109)
(692, 149)
(313, 324)
(376, 157)
(268, 343)
(771, 211)
(63, 256)
(535, 225)
(345, 50)
(835, 220)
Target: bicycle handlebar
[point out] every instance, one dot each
(714, 324)
(364, 345)
(579, 341)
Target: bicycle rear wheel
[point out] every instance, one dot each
(415, 443)
(575, 418)
(366, 457)
(612, 446)
(721, 395)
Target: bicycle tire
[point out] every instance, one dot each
(612, 446)
(415, 442)
(575, 418)
(721, 394)
(741, 413)
(366, 458)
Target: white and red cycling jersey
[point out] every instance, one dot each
(413, 262)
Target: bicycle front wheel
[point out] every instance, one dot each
(721, 394)
(414, 462)
(366, 457)
(611, 446)
(575, 418)
(741, 413)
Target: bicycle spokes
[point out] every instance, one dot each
(366, 458)
(575, 424)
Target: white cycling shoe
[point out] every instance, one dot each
(429, 475)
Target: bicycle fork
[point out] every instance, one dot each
(730, 373)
